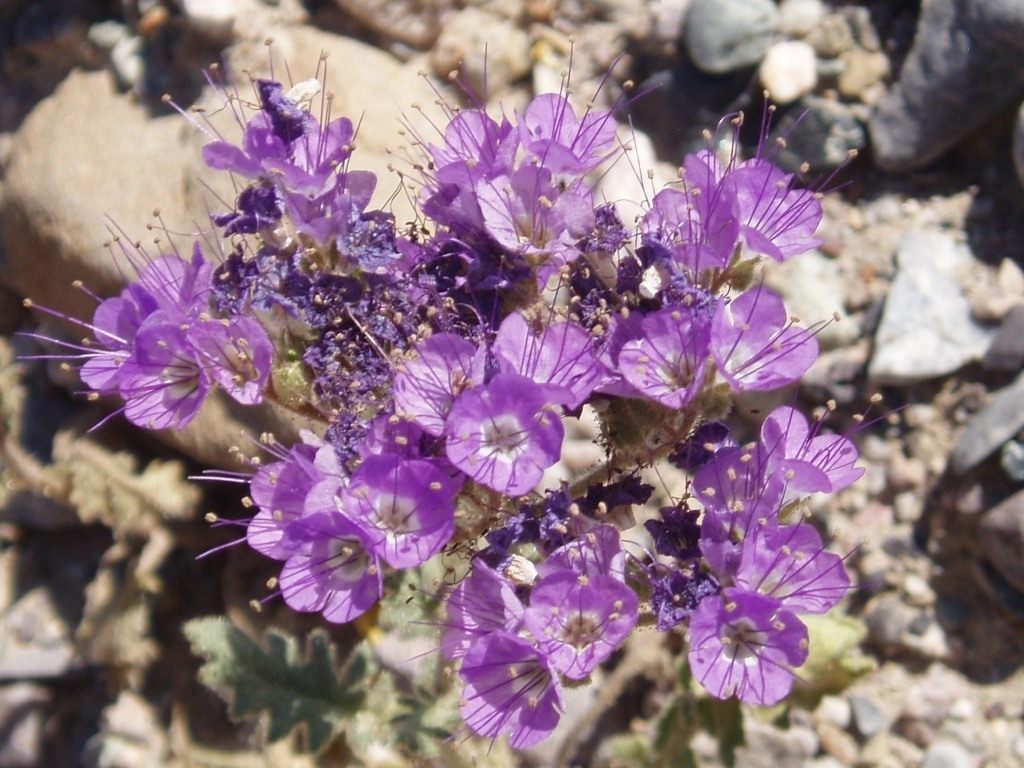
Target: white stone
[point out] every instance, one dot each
(926, 328)
(788, 71)
(811, 285)
(214, 18)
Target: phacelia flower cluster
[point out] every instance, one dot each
(436, 368)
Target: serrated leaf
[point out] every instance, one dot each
(835, 658)
(293, 690)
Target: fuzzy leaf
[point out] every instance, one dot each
(292, 690)
(835, 658)
(724, 720)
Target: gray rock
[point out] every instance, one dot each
(888, 621)
(990, 427)
(1012, 460)
(667, 20)
(947, 754)
(926, 328)
(868, 717)
(1002, 538)
(962, 71)
(1018, 145)
(724, 35)
(820, 132)
(1006, 352)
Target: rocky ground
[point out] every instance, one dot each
(915, 110)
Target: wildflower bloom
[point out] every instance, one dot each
(755, 344)
(667, 362)
(405, 508)
(510, 688)
(743, 644)
(484, 602)
(426, 386)
(817, 462)
(504, 434)
(790, 564)
(439, 363)
(580, 620)
(334, 572)
(559, 354)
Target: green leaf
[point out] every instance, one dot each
(724, 720)
(673, 732)
(835, 658)
(294, 690)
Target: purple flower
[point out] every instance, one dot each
(162, 384)
(475, 148)
(756, 345)
(394, 435)
(776, 219)
(790, 564)
(510, 688)
(813, 461)
(580, 620)
(235, 353)
(335, 573)
(736, 486)
(259, 144)
(316, 155)
(700, 448)
(287, 119)
(699, 235)
(598, 552)
(668, 361)
(563, 143)
(427, 385)
(677, 533)
(279, 490)
(483, 603)
(528, 214)
(505, 434)
(559, 355)
(675, 594)
(259, 206)
(743, 644)
(406, 508)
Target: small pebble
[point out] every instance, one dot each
(127, 62)
(835, 710)
(1011, 458)
(868, 717)
(788, 71)
(947, 754)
